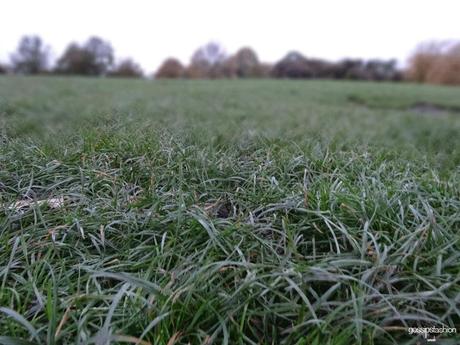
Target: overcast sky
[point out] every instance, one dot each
(150, 31)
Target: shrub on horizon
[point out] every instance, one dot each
(435, 63)
(171, 68)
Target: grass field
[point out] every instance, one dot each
(233, 212)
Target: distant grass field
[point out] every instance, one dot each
(227, 212)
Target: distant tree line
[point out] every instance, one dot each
(431, 63)
(93, 58)
(211, 62)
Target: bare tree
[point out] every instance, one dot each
(101, 55)
(31, 56)
(207, 62)
(95, 57)
(211, 53)
(73, 61)
(246, 63)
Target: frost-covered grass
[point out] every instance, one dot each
(234, 212)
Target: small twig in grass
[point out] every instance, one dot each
(63, 321)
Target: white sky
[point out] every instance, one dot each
(150, 31)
